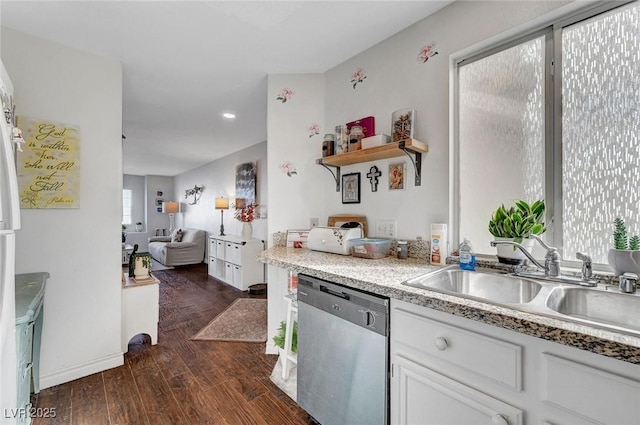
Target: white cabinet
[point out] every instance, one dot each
(444, 374)
(429, 397)
(140, 310)
(233, 261)
(451, 370)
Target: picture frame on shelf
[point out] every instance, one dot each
(160, 193)
(351, 188)
(159, 202)
(397, 176)
(403, 124)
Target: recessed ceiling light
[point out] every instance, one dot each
(229, 115)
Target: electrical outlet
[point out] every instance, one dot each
(386, 228)
(313, 222)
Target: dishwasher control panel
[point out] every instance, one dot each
(361, 308)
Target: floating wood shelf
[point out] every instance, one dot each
(410, 147)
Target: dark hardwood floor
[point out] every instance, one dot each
(179, 381)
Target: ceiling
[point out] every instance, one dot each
(186, 62)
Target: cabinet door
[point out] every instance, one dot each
(421, 396)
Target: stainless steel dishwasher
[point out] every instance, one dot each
(343, 354)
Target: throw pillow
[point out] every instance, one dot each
(177, 236)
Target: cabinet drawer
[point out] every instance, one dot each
(237, 277)
(481, 354)
(212, 247)
(233, 253)
(228, 273)
(219, 252)
(212, 267)
(588, 392)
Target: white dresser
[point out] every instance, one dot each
(233, 260)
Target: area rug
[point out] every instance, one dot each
(156, 265)
(245, 320)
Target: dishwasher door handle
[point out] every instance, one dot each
(334, 293)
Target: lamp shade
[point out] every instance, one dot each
(222, 203)
(170, 207)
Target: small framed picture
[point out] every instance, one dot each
(159, 193)
(159, 209)
(397, 176)
(159, 202)
(351, 188)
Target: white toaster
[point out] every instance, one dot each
(333, 239)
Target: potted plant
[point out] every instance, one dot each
(142, 265)
(624, 257)
(516, 224)
(124, 235)
(139, 226)
(280, 337)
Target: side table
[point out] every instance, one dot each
(140, 305)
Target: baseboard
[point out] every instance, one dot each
(75, 372)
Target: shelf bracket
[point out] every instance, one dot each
(336, 175)
(417, 163)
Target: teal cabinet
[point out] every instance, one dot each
(29, 318)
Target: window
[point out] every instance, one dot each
(554, 116)
(126, 206)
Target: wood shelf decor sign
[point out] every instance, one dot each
(49, 166)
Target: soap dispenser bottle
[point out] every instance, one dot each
(467, 257)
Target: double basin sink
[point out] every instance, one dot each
(604, 307)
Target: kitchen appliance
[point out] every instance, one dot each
(9, 222)
(343, 353)
(333, 239)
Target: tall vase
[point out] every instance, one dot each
(247, 230)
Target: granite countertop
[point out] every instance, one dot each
(385, 276)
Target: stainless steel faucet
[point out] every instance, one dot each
(552, 259)
(587, 270)
(628, 282)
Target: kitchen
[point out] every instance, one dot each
(324, 98)
(416, 208)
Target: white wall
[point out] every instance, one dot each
(219, 179)
(80, 248)
(293, 200)
(395, 79)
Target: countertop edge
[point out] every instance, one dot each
(344, 270)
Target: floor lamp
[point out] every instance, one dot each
(171, 208)
(222, 204)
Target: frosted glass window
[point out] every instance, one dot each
(127, 202)
(500, 135)
(600, 127)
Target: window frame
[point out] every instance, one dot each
(124, 191)
(552, 30)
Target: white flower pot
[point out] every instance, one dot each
(509, 254)
(624, 261)
(139, 271)
(247, 230)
